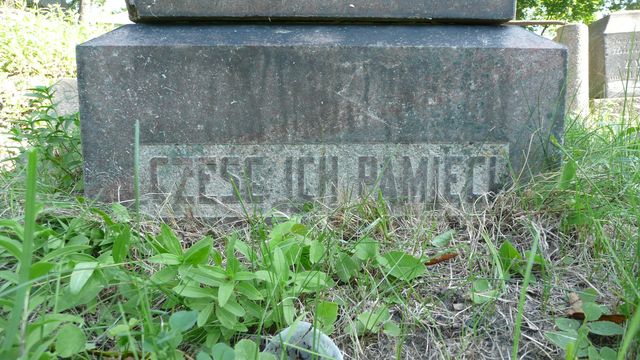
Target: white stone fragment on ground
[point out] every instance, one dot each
(299, 337)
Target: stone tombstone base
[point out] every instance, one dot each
(480, 11)
(262, 116)
(614, 55)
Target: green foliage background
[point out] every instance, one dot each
(571, 10)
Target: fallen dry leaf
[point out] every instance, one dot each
(575, 311)
(441, 259)
(617, 318)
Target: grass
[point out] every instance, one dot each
(37, 47)
(128, 278)
(105, 283)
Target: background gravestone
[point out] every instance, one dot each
(614, 45)
(237, 116)
(486, 11)
(576, 38)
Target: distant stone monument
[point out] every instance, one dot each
(238, 115)
(576, 38)
(615, 55)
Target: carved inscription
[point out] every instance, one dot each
(218, 180)
(623, 64)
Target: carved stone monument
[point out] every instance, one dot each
(237, 116)
(614, 46)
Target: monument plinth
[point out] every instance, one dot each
(268, 116)
(482, 11)
(614, 47)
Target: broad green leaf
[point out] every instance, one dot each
(165, 259)
(327, 313)
(224, 292)
(403, 266)
(234, 308)
(203, 356)
(246, 349)
(40, 269)
(509, 257)
(299, 229)
(13, 247)
(367, 249)
(482, 292)
(199, 252)
(249, 291)
(444, 239)
(120, 213)
(182, 321)
(391, 328)
(372, 320)
(592, 311)
(87, 294)
(288, 310)
(266, 356)
(194, 292)
(562, 339)
(567, 324)
(204, 314)
(310, 281)
(607, 353)
(206, 275)
(588, 295)
(244, 276)
(593, 353)
(9, 276)
(70, 341)
(226, 318)
(165, 275)
(217, 257)
(121, 244)
(605, 328)
(346, 267)
(244, 249)
(280, 266)
(169, 240)
(63, 252)
(80, 275)
(568, 174)
(316, 251)
(222, 351)
(280, 232)
(266, 276)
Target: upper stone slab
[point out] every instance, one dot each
(460, 11)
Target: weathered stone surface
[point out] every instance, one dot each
(278, 115)
(576, 38)
(301, 341)
(490, 11)
(65, 96)
(614, 46)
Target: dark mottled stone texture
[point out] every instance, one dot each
(287, 99)
(488, 11)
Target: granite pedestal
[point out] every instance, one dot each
(480, 11)
(265, 116)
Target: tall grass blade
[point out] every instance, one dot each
(22, 293)
(523, 293)
(136, 169)
(631, 334)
